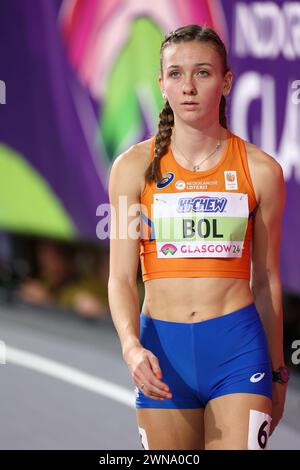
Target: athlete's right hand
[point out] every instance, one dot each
(144, 368)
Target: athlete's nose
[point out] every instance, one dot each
(188, 87)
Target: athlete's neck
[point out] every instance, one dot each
(197, 143)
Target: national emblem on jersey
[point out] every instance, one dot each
(230, 180)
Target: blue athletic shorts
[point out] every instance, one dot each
(207, 359)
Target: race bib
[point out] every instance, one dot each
(193, 225)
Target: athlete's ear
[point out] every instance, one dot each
(228, 79)
(160, 83)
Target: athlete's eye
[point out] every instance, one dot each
(205, 72)
(171, 74)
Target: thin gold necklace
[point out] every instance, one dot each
(196, 167)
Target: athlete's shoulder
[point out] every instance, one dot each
(137, 155)
(261, 158)
(143, 145)
(130, 166)
(266, 171)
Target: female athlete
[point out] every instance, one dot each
(206, 350)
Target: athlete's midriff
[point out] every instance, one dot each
(191, 300)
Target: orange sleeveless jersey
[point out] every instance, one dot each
(199, 224)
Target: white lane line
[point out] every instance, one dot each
(71, 375)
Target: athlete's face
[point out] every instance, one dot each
(192, 71)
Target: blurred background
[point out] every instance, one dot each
(78, 87)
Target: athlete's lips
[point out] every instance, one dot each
(190, 102)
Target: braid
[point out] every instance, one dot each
(222, 112)
(166, 117)
(162, 140)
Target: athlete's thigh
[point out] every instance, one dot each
(172, 429)
(237, 421)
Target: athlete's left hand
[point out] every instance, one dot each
(278, 401)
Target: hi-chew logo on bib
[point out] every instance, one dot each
(193, 225)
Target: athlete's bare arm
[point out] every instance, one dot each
(265, 275)
(125, 184)
(266, 278)
(124, 191)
